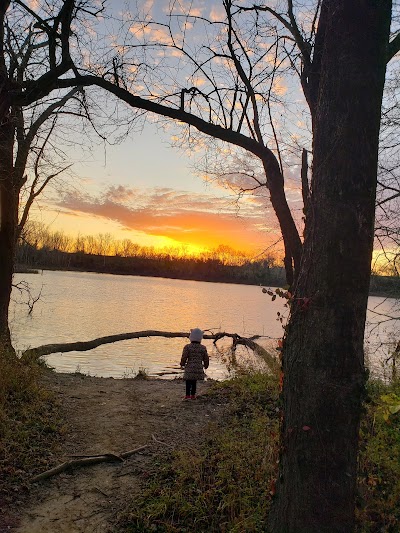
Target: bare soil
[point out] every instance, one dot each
(105, 415)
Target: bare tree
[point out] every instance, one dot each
(227, 88)
(228, 95)
(34, 54)
(388, 195)
(323, 365)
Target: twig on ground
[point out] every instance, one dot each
(85, 461)
(101, 492)
(161, 442)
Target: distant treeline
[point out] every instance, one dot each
(385, 286)
(42, 249)
(262, 272)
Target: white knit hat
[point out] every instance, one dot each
(196, 335)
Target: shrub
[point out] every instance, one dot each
(223, 485)
(379, 461)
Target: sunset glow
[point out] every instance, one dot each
(163, 217)
(192, 235)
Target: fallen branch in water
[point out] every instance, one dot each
(84, 460)
(82, 346)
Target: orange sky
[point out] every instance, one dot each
(146, 191)
(165, 217)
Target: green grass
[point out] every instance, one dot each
(378, 505)
(29, 425)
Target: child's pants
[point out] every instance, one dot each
(191, 387)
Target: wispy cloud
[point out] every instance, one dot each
(193, 218)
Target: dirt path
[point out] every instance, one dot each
(103, 416)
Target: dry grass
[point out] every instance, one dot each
(224, 484)
(30, 426)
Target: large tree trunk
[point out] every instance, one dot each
(8, 224)
(323, 361)
(8, 199)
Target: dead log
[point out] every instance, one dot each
(82, 346)
(85, 460)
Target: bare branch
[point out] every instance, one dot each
(86, 460)
(25, 143)
(393, 47)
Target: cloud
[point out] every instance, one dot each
(120, 193)
(217, 13)
(191, 218)
(184, 8)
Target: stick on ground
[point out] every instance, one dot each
(85, 461)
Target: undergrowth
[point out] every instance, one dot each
(224, 485)
(29, 425)
(378, 508)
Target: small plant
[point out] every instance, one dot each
(142, 373)
(81, 373)
(129, 373)
(393, 360)
(390, 405)
(379, 460)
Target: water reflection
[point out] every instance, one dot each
(82, 306)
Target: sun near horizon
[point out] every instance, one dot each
(186, 234)
(240, 243)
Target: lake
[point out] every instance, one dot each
(78, 306)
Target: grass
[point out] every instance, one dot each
(30, 425)
(378, 506)
(224, 484)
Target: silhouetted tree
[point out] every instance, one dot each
(341, 63)
(340, 56)
(34, 55)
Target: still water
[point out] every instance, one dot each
(75, 306)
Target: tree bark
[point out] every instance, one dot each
(323, 360)
(8, 224)
(291, 237)
(7, 196)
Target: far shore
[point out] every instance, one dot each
(381, 286)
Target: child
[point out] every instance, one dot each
(194, 357)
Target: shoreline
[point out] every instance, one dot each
(392, 292)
